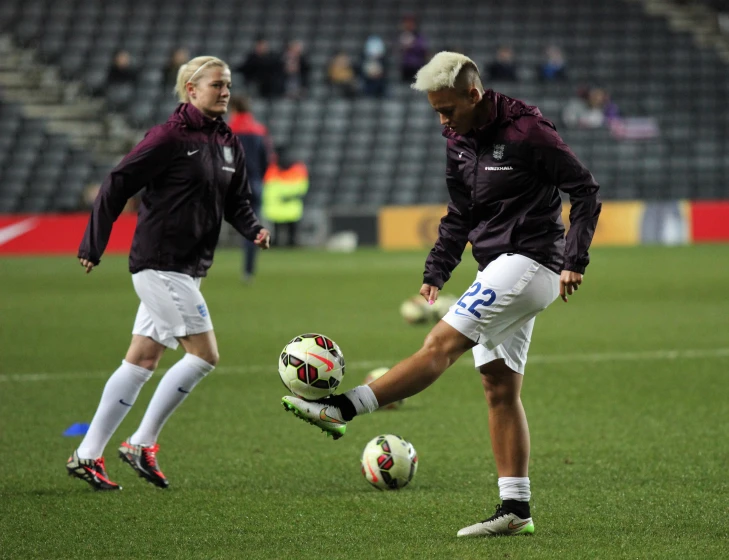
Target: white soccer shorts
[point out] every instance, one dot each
(172, 306)
(498, 310)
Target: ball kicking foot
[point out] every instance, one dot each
(323, 416)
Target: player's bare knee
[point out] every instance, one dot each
(145, 359)
(147, 363)
(502, 385)
(446, 342)
(210, 356)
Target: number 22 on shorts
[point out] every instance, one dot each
(488, 293)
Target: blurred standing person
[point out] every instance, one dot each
(178, 57)
(296, 70)
(257, 148)
(121, 81)
(373, 67)
(503, 68)
(413, 49)
(194, 172)
(263, 69)
(284, 187)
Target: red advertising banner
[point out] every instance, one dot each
(710, 221)
(58, 233)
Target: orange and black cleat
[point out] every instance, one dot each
(144, 461)
(92, 471)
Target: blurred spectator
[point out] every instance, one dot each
(178, 57)
(258, 151)
(554, 67)
(121, 81)
(284, 187)
(121, 71)
(372, 67)
(263, 69)
(503, 68)
(296, 69)
(413, 49)
(341, 76)
(592, 108)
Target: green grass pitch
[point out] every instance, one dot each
(626, 393)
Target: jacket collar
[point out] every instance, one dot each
(190, 116)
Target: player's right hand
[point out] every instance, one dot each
(430, 293)
(87, 264)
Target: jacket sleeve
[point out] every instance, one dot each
(452, 232)
(138, 168)
(238, 210)
(562, 168)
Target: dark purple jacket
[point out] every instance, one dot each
(195, 174)
(503, 181)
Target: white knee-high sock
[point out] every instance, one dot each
(179, 380)
(119, 394)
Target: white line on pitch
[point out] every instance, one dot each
(656, 355)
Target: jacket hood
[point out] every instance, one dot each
(188, 115)
(506, 109)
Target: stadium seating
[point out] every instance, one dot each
(368, 152)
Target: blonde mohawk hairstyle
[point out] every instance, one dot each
(442, 71)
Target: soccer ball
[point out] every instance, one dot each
(389, 462)
(311, 366)
(415, 310)
(376, 374)
(441, 306)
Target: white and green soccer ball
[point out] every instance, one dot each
(311, 366)
(441, 306)
(389, 462)
(416, 311)
(376, 374)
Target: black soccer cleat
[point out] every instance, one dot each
(144, 461)
(92, 471)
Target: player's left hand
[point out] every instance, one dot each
(263, 239)
(569, 282)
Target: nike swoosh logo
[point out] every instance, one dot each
(324, 416)
(459, 312)
(514, 526)
(181, 390)
(372, 472)
(8, 233)
(190, 153)
(121, 401)
(329, 363)
(98, 475)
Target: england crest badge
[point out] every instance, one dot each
(228, 154)
(498, 152)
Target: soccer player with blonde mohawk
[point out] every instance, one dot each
(505, 167)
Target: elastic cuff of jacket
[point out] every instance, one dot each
(579, 269)
(433, 282)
